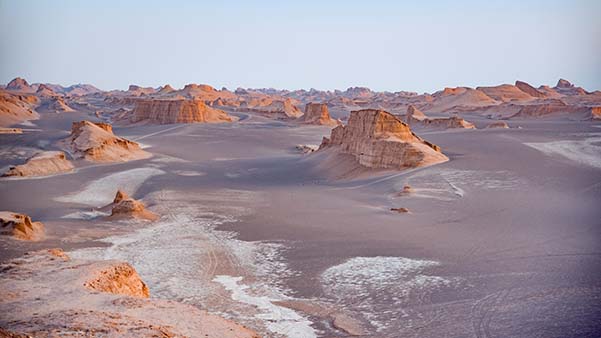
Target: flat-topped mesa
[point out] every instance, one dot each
(95, 141)
(20, 226)
(42, 164)
(317, 113)
(377, 139)
(156, 111)
(415, 117)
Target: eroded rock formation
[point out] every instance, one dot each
(415, 117)
(46, 294)
(157, 111)
(124, 206)
(20, 226)
(498, 124)
(42, 164)
(377, 139)
(96, 142)
(317, 113)
(16, 108)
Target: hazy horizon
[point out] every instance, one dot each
(382, 45)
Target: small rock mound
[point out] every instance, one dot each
(124, 206)
(406, 191)
(306, 149)
(119, 278)
(400, 210)
(42, 164)
(96, 142)
(20, 226)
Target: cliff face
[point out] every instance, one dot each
(20, 226)
(177, 111)
(378, 139)
(317, 113)
(42, 164)
(96, 142)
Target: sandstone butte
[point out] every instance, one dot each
(42, 164)
(278, 109)
(48, 294)
(415, 117)
(377, 139)
(20, 226)
(16, 108)
(95, 141)
(157, 111)
(124, 206)
(317, 113)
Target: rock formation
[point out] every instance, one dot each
(565, 87)
(400, 210)
(96, 142)
(42, 164)
(306, 149)
(58, 105)
(317, 113)
(124, 206)
(377, 139)
(498, 124)
(505, 93)
(47, 294)
(278, 109)
(551, 107)
(528, 89)
(118, 278)
(415, 117)
(157, 111)
(16, 108)
(20, 226)
(19, 85)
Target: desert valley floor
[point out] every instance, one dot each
(501, 240)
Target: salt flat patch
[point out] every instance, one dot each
(188, 173)
(102, 191)
(279, 320)
(587, 151)
(168, 159)
(381, 287)
(86, 215)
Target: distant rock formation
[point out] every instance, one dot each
(458, 99)
(528, 89)
(124, 206)
(58, 105)
(377, 139)
(47, 294)
(118, 278)
(20, 226)
(505, 93)
(565, 87)
(552, 107)
(96, 142)
(277, 109)
(305, 148)
(317, 113)
(42, 164)
(498, 124)
(158, 111)
(19, 85)
(415, 117)
(45, 91)
(16, 108)
(166, 89)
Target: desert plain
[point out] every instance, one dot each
(468, 212)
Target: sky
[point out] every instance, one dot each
(420, 46)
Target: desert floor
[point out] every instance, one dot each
(502, 240)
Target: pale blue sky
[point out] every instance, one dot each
(385, 45)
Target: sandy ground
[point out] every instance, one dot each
(502, 240)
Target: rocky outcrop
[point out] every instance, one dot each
(124, 206)
(498, 124)
(565, 87)
(19, 85)
(528, 89)
(16, 108)
(20, 226)
(505, 93)
(47, 294)
(277, 109)
(42, 164)
(552, 107)
(377, 139)
(317, 113)
(96, 142)
(157, 111)
(58, 105)
(118, 278)
(458, 99)
(415, 117)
